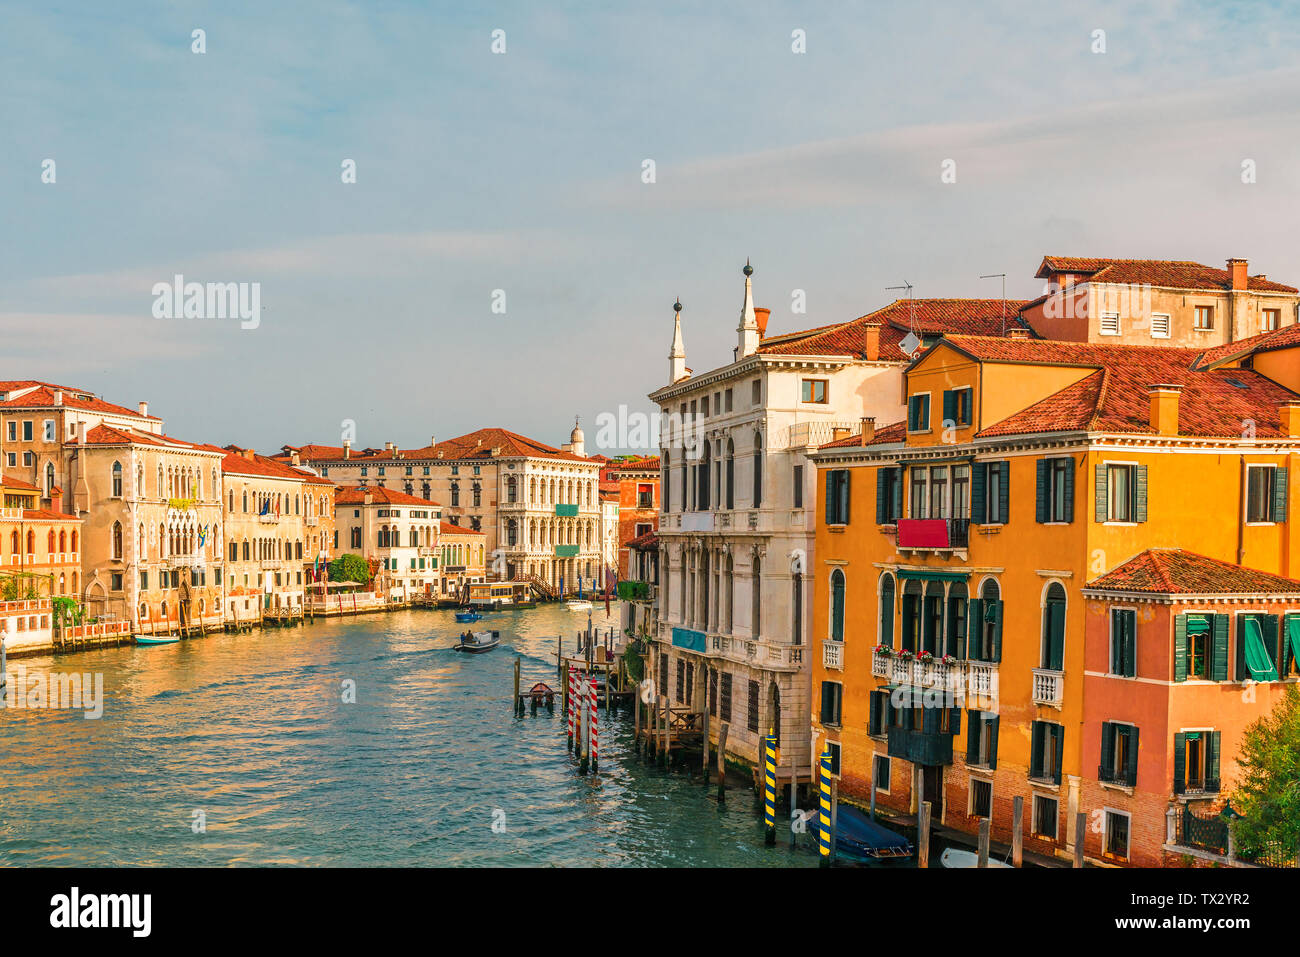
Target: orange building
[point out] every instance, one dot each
(40, 548)
(954, 633)
(638, 502)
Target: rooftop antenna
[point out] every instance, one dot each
(911, 307)
(1003, 277)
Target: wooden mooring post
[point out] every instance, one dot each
(722, 762)
(923, 836)
(1017, 835)
(1080, 828)
(519, 704)
(983, 859)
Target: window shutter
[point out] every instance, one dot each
(973, 737)
(1069, 492)
(1219, 649)
(874, 725)
(1140, 495)
(909, 622)
(955, 720)
(929, 720)
(1101, 492)
(1269, 623)
(1180, 763)
(1107, 746)
(898, 493)
(1242, 671)
(979, 475)
(830, 497)
(880, 496)
(974, 622)
(1040, 494)
(949, 407)
(886, 711)
(992, 728)
(846, 487)
(1058, 735)
(1132, 769)
(1180, 648)
(1004, 491)
(1279, 494)
(1212, 757)
(1056, 635)
(913, 403)
(1036, 750)
(995, 609)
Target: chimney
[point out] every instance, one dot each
(1017, 332)
(1237, 270)
(247, 453)
(81, 433)
(347, 448)
(839, 432)
(144, 409)
(868, 429)
(293, 457)
(1164, 407)
(56, 499)
(1290, 416)
(433, 440)
(388, 446)
(58, 397)
(761, 316)
(871, 341)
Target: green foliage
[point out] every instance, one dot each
(68, 610)
(1268, 795)
(350, 568)
(633, 664)
(9, 590)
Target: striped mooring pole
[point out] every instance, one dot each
(595, 733)
(583, 739)
(825, 816)
(572, 702)
(769, 788)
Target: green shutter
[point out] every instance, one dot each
(1056, 635)
(1140, 495)
(1040, 494)
(1058, 734)
(995, 609)
(913, 406)
(973, 724)
(974, 622)
(830, 497)
(949, 407)
(992, 728)
(909, 622)
(1292, 623)
(1069, 492)
(1212, 757)
(1036, 750)
(1130, 644)
(898, 493)
(1107, 746)
(880, 496)
(1004, 491)
(1180, 648)
(979, 474)
(1275, 648)
(1180, 763)
(874, 725)
(1242, 672)
(929, 720)
(1132, 769)
(1100, 492)
(1279, 494)
(1219, 649)
(954, 721)
(846, 492)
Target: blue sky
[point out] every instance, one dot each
(522, 172)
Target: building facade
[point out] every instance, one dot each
(40, 548)
(463, 554)
(399, 531)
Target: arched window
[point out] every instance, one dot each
(74, 548)
(702, 475)
(512, 532)
(731, 473)
(837, 605)
(986, 617)
(911, 616)
(117, 541)
(512, 490)
(49, 479)
(886, 636)
(1053, 644)
(756, 598)
(117, 480)
(63, 540)
(14, 543)
(758, 470)
(49, 544)
(796, 602)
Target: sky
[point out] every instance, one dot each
(489, 181)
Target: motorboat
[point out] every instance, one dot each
(156, 639)
(477, 642)
(578, 604)
(468, 616)
(955, 857)
(860, 839)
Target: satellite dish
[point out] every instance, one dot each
(647, 691)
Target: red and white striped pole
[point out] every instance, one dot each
(572, 702)
(595, 735)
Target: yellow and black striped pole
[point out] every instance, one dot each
(825, 816)
(769, 788)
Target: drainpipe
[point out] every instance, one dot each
(1241, 512)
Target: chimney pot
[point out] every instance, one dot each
(871, 341)
(293, 457)
(761, 316)
(1237, 271)
(347, 448)
(58, 397)
(1290, 416)
(868, 428)
(1164, 407)
(144, 408)
(839, 432)
(1017, 332)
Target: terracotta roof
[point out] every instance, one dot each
(42, 396)
(929, 317)
(446, 528)
(644, 541)
(121, 435)
(9, 481)
(1172, 571)
(262, 466)
(378, 496)
(473, 445)
(1287, 337)
(1174, 274)
(895, 432)
(649, 463)
(45, 515)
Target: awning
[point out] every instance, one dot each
(1258, 659)
(1293, 635)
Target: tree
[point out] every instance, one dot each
(350, 568)
(1268, 796)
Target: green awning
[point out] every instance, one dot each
(1293, 635)
(1258, 659)
(928, 575)
(1197, 625)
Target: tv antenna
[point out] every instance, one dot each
(1003, 277)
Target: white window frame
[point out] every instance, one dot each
(970, 794)
(1106, 812)
(1169, 324)
(1107, 464)
(1101, 326)
(929, 413)
(877, 756)
(1056, 818)
(1200, 328)
(1272, 485)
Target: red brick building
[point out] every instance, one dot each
(638, 501)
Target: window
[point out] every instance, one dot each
(1121, 492)
(1159, 325)
(1272, 319)
(756, 393)
(880, 772)
(920, 504)
(1196, 762)
(1045, 817)
(1257, 645)
(981, 798)
(756, 603)
(116, 581)
(990, 501)
(13, 431)
(961, 491)
(1265, 493)
(985, 628)
(1119, 754)
(1115, 842)
(1201, 647)
(797, 483)
(1204, 318)
(957, 407)
(27, 430)
(918, 413)
(1109, 324)
(1055, 495)
(881, 715)
(814, 390)
(48, 429)
(117, 480)
(886, 608)
(681, 680)
(726, 398)
(724, 694)
(889, 495)
(837, 496)
(833, 749)
(837, 605)
(1123, 642)
(1052, 652)
(758, 470)
(752, 715)
(713, 692)
(1047, 746)
(938, 491)
(982, 740)
(832, 702)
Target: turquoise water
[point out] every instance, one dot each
(251, 730)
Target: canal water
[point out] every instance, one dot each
(249, 736)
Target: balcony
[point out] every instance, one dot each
(1049, 686)
(1116, 776)
(268, 518)
(922, 674)
(933, 534)
(833, 654)
(880, 664)
(764, 653)
(920, 747)
(982, 679)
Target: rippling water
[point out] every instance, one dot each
(252, 731)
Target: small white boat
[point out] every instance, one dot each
(578, 604)
(953, 857)
(477, 642)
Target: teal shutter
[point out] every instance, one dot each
(1069, 492)
(974, 622)
(1219, 649)
(995, 611)
(1056, 635)
(1130, 644)
(1040, 494)
(1279, 494)
(992, 728)
(1180, 763)
(1036, 750)
(1058, 735)
(1132, 770)
(846, 489)
(830, 497)
(979, 475)
(973, 737)
(898, 493)
(954, 720)
(1212, 758)
(1180, 648)
(929, 720)
(1101, 492)
(1242, 671)
(913, 408)
(1107, 761)
(1140, 495)
(874, 726)
(949, 407)
(909, 622)
(880, 496)
(1004, 491)
(1271, 645)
